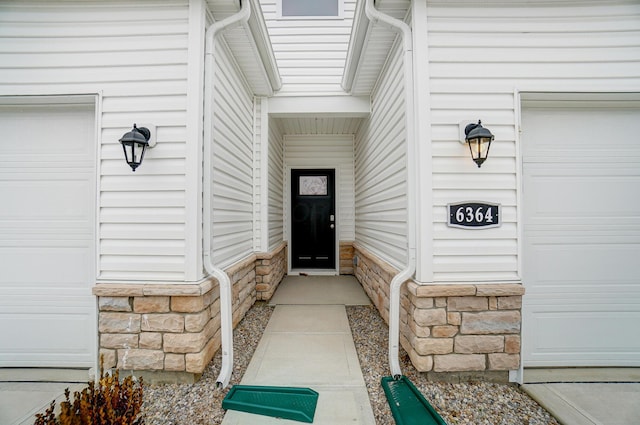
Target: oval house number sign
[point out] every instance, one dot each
(474, 215)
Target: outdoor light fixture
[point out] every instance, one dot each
(479, 140)
(135, 143)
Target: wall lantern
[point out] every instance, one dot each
(479, 140)
(135, 143)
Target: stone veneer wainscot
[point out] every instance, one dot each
(170, 332)
(461, 328)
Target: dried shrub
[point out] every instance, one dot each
(110, 401)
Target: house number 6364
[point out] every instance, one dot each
(468, 215)
(474, 215)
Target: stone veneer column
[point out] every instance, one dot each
(271, 267)
(346, 257)
(459, 328)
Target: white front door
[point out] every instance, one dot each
(581, 259)
(47, 234)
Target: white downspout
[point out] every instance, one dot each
(226, 307)
(375, 16)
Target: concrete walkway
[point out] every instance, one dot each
(23, 392)
(576, 397)
(320, 290)
(308, 343)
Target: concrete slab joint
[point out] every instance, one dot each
(458, 328)
(172, 331)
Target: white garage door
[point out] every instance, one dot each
(581, 259)
(47, 248)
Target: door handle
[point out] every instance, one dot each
(332, 226)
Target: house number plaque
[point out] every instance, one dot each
(474, 215)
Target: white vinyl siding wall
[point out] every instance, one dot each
(139, 65)
(276, 184)
(478, 58)
(233, 192)
(327, 151)
(310, 53)
(380, 179)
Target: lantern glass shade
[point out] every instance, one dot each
(479, 140)
(134, 144)
(479, 148)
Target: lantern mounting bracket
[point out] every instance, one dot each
(462, 125)
(152, 130)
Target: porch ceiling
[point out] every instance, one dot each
(319, 125)
(320, 114)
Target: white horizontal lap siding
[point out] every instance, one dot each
(380, 175)
(258, 128)
(276, 184)
(90, 46)
(478, 56)
(568, 47)
(233, 192)
(140, 67)
(328, 151)
(310, 53)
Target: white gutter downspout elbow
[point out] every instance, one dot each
(375, 16)
(226, 307)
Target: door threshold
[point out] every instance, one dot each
(313, 272)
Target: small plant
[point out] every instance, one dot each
(107, 402)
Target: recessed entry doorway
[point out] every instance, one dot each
(313, 219)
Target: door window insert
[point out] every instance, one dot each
(313, 186)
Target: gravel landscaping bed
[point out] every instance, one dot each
(201, 403)
(465, 403)
(469, 403)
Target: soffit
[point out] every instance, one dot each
(369, 46)
(250, 46)
(221, 9)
